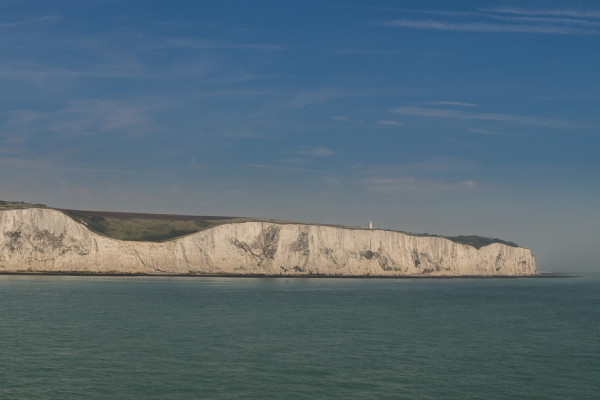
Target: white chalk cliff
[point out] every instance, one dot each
(46, 240)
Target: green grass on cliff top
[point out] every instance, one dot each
(163, 227)
(148, 227)
(15, 205)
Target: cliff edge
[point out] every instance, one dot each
(39, 240)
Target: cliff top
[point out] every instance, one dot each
(162, 227)
(15, 205)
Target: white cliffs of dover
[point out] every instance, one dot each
(38, 240)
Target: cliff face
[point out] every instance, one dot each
(45, 240)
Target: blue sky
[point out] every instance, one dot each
(463, 117)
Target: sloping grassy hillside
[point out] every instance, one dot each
(146, 227)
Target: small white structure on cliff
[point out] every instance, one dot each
(370, 224)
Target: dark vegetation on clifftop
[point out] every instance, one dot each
(15, 205)
(162, 227)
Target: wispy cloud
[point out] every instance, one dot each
(52, 166)
(409, 10)
(488, 132)
(450, 103)
(106, 116)
(45, 18)
(506, 20)
(340, 118)
(280, 168)
(217, 44)
(555, 12)
(317, 96)
(125, 53)
(463, 115)
(548, 20)
(489, 27)
(88, 117)
(433, 165)
(244, 135)
(482, 131)
(367, 52)
(314, 152)
(37, 74)
(17, 127)
(386, 122)
(426, 177)
(411, 185)
(493, 12)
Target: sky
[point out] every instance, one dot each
(462, 117)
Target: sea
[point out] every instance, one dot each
(66, 337)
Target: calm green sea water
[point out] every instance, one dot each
(241, 338)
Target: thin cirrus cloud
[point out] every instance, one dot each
(45, 73)
(451, 103)
(292, 169)
(386, 122)
(490, 27)
(368, 52)
(434, 165)
(419, 178)
(411, 185)
(98, 116)
(463, 115)
(517, 20)
(317, 96)
(219, 44)
(488, 132)
(244, 135)
(554, 12)
(316, 152)
(53, 166)
(545, 19)
(45, 18)
(482, 131)
(408, 10)
(89, 117)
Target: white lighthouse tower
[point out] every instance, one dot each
(370, 224)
